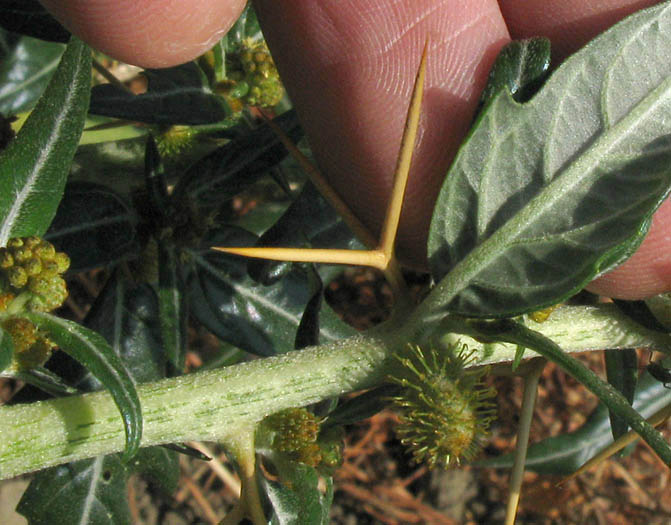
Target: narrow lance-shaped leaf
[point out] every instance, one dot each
(127, 318)
(177, 95)
(622, 374)
(92, 351)
(94, 225)
(25, 73)
(35, 165)
(47, 381)
(172, 304)
(234, 167)
(546, 195)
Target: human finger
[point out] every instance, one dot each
(148, 33)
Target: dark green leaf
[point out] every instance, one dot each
(46, 381)
(176, 95)
(309, 222)
(660, 307)
(35, 165)
(308, 328)
(28, 17)
(187, 451)
(93, 491)
(25, 73)
(92, 351)
(622, 374)
(519, 354)
(296, 499)
(563, 185)
(6, 349)
(172, 304)
(259, 319)
(160, 466)
(127, 317)
(94, 226)
(120, 164)
(564, 454)
(229, 170)
(521, 68)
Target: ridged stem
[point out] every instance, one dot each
(212, 405)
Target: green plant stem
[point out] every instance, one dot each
(528, 403)
(212, 405)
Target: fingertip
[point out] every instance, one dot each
(148, 33)
(569, 24)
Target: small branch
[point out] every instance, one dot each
(528, 403)
(241, 445)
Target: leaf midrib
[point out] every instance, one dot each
(574, 174)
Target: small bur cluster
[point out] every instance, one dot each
(31, 280)
(296, 433)
(445, 410)
(252, 78)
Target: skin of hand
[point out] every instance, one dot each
(349, 66)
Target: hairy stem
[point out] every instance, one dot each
(212, 405)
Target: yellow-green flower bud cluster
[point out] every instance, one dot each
(31, 347)
(174, 140)
(252, 77)
(32, 264)
(295, 432)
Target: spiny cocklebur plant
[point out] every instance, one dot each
(536, 204)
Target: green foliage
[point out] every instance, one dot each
(28, 17)
(177, 95)
(536, 191)
(24, 73)
(35, 165)
(91, 350)
(94, 490)
(6, 349)
(296, 499)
